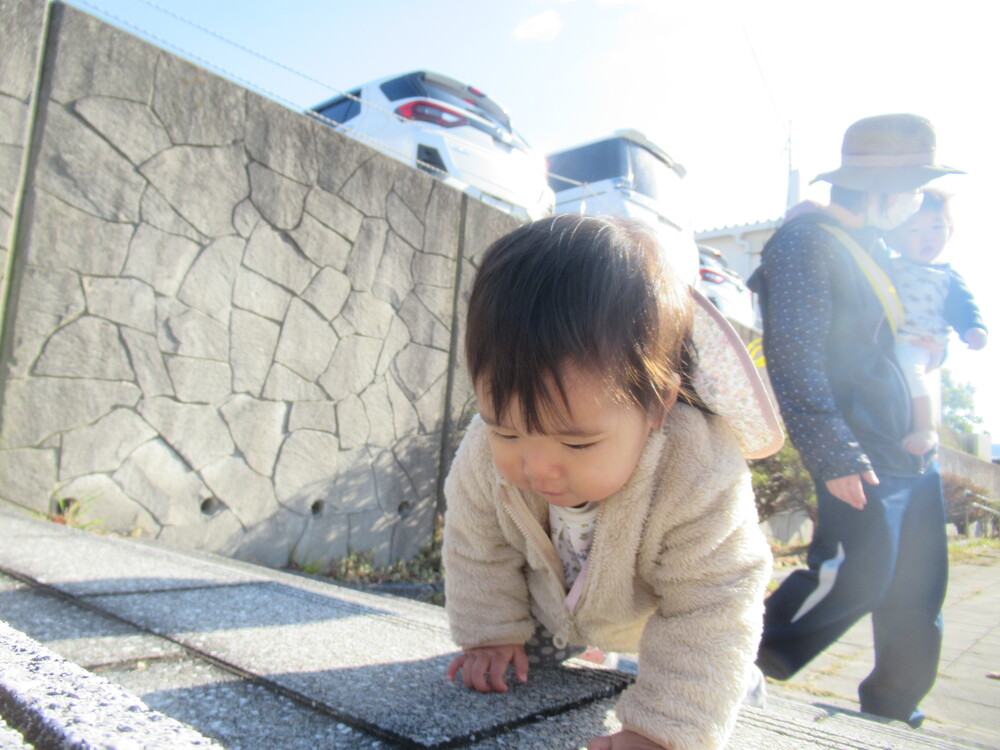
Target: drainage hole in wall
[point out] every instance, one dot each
(211, 505)
(404, 509)
(317, 507)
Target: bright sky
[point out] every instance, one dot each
(719, 85)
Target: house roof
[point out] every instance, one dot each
(738, 228)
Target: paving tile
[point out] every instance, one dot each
(77, 633)
(969, 684)
(238, 713)
(960, 635)
(570, 730)
(364, 662)
(91, 564)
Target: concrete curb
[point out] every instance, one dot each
(55, 704)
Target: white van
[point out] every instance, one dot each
(628, 175)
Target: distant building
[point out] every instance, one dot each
(742, 244)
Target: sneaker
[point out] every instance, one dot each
(755, 688)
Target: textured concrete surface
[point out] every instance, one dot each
(57, 704)
(257, 658)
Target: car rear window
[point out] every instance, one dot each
(615, 158)
(605, 160)
(404, 87)
(650, 175)
(342, 108)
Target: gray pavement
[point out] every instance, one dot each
(256, 658)
(964, 703)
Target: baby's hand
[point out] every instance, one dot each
(483, 668)
(624, 740)
(975, 338)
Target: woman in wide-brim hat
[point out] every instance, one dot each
(879, 545)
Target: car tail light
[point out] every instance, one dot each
(431, 112)
(713, 276)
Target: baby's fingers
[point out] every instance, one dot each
(498, 668)
(476, 674)
(456, 664)
(521, 664)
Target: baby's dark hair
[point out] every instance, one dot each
(854, 200)
(591, 292)
(937, 200)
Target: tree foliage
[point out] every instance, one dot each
(958, 407)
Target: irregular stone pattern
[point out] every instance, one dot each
(232, 326)
(22, 24)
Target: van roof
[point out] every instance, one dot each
(637, 137)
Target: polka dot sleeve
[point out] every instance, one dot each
(796, 274)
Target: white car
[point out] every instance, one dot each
(451, 130)
(628, 175)
(725, 288)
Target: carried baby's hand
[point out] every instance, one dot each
(975, 338)
(483, 668)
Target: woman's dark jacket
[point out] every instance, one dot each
(829, 352)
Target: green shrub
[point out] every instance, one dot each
(960, 499)
(781, 483)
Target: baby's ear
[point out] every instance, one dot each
(659, 414)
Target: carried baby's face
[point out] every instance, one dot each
(922, 238)
(587, 450)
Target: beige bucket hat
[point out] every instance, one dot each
(888, 154)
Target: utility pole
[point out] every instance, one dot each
(793, 195)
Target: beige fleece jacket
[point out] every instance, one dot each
(677, 572)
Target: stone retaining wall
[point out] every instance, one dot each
(227, 326)
(980, 473)
(23, 24)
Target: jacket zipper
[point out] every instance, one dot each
(534, 534)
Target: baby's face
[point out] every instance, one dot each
(922, 237)
(585, 453)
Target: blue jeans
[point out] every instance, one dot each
(890, 559)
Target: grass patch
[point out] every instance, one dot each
(974, 550)
(789, 555)
(359, 569)
(68, 511)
